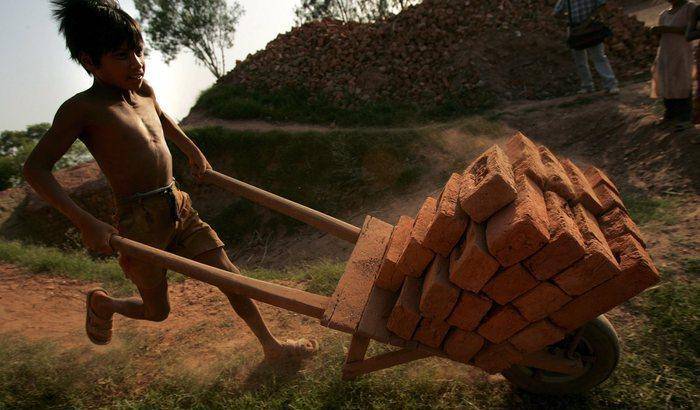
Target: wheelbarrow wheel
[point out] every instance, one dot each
(595, 344)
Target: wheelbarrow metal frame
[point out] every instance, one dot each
(296, 300)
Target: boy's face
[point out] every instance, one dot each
(123, 68)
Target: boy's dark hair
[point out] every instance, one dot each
(95, 27)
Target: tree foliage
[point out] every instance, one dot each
(350, 10)
(15, 147)
(205, 27)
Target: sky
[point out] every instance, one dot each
(37, 74)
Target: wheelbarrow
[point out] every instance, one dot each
(583, 360)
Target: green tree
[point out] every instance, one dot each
(205, 27)
(350, 10)
(15, 147)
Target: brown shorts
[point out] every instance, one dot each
(154, 221)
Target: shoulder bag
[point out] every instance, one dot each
(581, 38)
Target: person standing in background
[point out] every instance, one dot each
(672, 70)
(581, 14)
(693, 33)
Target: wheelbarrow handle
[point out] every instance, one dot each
(284, 297)
(319, 220)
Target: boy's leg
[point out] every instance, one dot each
(602, 65)
(584, 72)
(153, 288)
(248, 311)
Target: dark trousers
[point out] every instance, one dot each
(680, 109)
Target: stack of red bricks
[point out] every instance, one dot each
(519, 250)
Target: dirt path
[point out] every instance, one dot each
(202, 325)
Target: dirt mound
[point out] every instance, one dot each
(439, 53)
(24, 215)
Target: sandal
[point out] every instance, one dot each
(98, 330)
(295, 349)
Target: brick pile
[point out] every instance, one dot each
(440, 52)
(516, 252)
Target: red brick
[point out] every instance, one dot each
(496, 358)
(449, 222)
(501, 324)
(439, 295)
(521, 228)
(509, 284)
(637, 273)
(462, 346)
(608, 198)
(595, 177)
(345, 307)
(583, 189)
(556, 179)
(633, 256)
(587, 225)
(389, 278)
(431, 332)
(525, 158)
(565, 246)
(594, 268)
(616, 223)
(405, 316)
(471, 264)
(415, 257)
(597, 266)
(537, 336)
(541, 301)
(487, 185)
(469, 311)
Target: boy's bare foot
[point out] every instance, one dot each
(292, 349)
(98, 330)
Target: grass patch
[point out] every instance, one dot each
(645, 209)
(300, 105)
(659, 367)
(74, 265)
(319, 277)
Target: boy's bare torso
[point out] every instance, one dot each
(125, 136)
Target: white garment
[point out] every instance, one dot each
(673, 69)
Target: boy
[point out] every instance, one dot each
(119, 120)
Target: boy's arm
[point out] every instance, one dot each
(173, 132)
(198, 162)
(37, 171)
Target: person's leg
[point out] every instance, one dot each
(669, 112)
(684, 114)
(153, 288)
(696, 102)
(584, 72)
(603, 67)
(248, 311)
(685, 110)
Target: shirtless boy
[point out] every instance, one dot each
(119, 120)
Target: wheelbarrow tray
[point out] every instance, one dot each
(360, 308)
